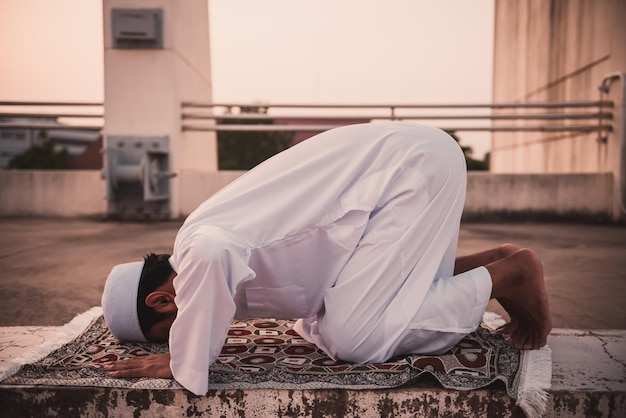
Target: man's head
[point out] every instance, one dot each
(138, 299)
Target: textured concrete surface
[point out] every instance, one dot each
(53, 269)
(406, 402)
(588, 360)
(105, 402)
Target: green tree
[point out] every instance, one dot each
(40, 157)
(244, 150)
(472, 163)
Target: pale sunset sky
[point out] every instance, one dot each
(275, 51)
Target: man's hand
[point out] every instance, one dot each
(154, 365)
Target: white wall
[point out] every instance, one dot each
(51, 193)
(539, 195)
(81, 193)
(557, 51)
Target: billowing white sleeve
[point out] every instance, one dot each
(209, 266)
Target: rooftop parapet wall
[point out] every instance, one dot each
(489, 196)
(539, 196)
(51, 193)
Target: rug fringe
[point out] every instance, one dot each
(535, 381)
(66, 334)
(535, 377)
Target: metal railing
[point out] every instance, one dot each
(576, 116)
(591, 116)
(51, 115)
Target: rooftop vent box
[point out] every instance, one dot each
(137, 28)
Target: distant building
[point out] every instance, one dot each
(19, 134)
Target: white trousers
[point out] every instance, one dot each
(397, 293)
(453, 308)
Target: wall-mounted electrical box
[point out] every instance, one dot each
(137, 28)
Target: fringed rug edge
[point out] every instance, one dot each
(535, 380)
(535, 375)
(67, 333)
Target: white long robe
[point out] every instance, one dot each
(347, 230)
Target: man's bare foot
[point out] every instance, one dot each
(519, 287)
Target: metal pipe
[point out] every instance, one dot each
(9, 103)
(320, 128)
(49, 115)
(548, 105)
(48, 126)
(252, 116)
(604, 89)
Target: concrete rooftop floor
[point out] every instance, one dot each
(54, 269)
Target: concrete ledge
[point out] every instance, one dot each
(196, 187)
(539, 196)
(51, 193)
(489, 196)
(106, 402)
(409, 402)
(589, 371)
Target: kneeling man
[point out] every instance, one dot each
(354, 232)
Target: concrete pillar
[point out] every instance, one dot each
(144, 88)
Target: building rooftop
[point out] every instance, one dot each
(54, 269)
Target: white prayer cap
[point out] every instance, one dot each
(119, 302)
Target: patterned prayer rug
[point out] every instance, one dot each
(262, 353)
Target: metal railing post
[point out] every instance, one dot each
(604, 89)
